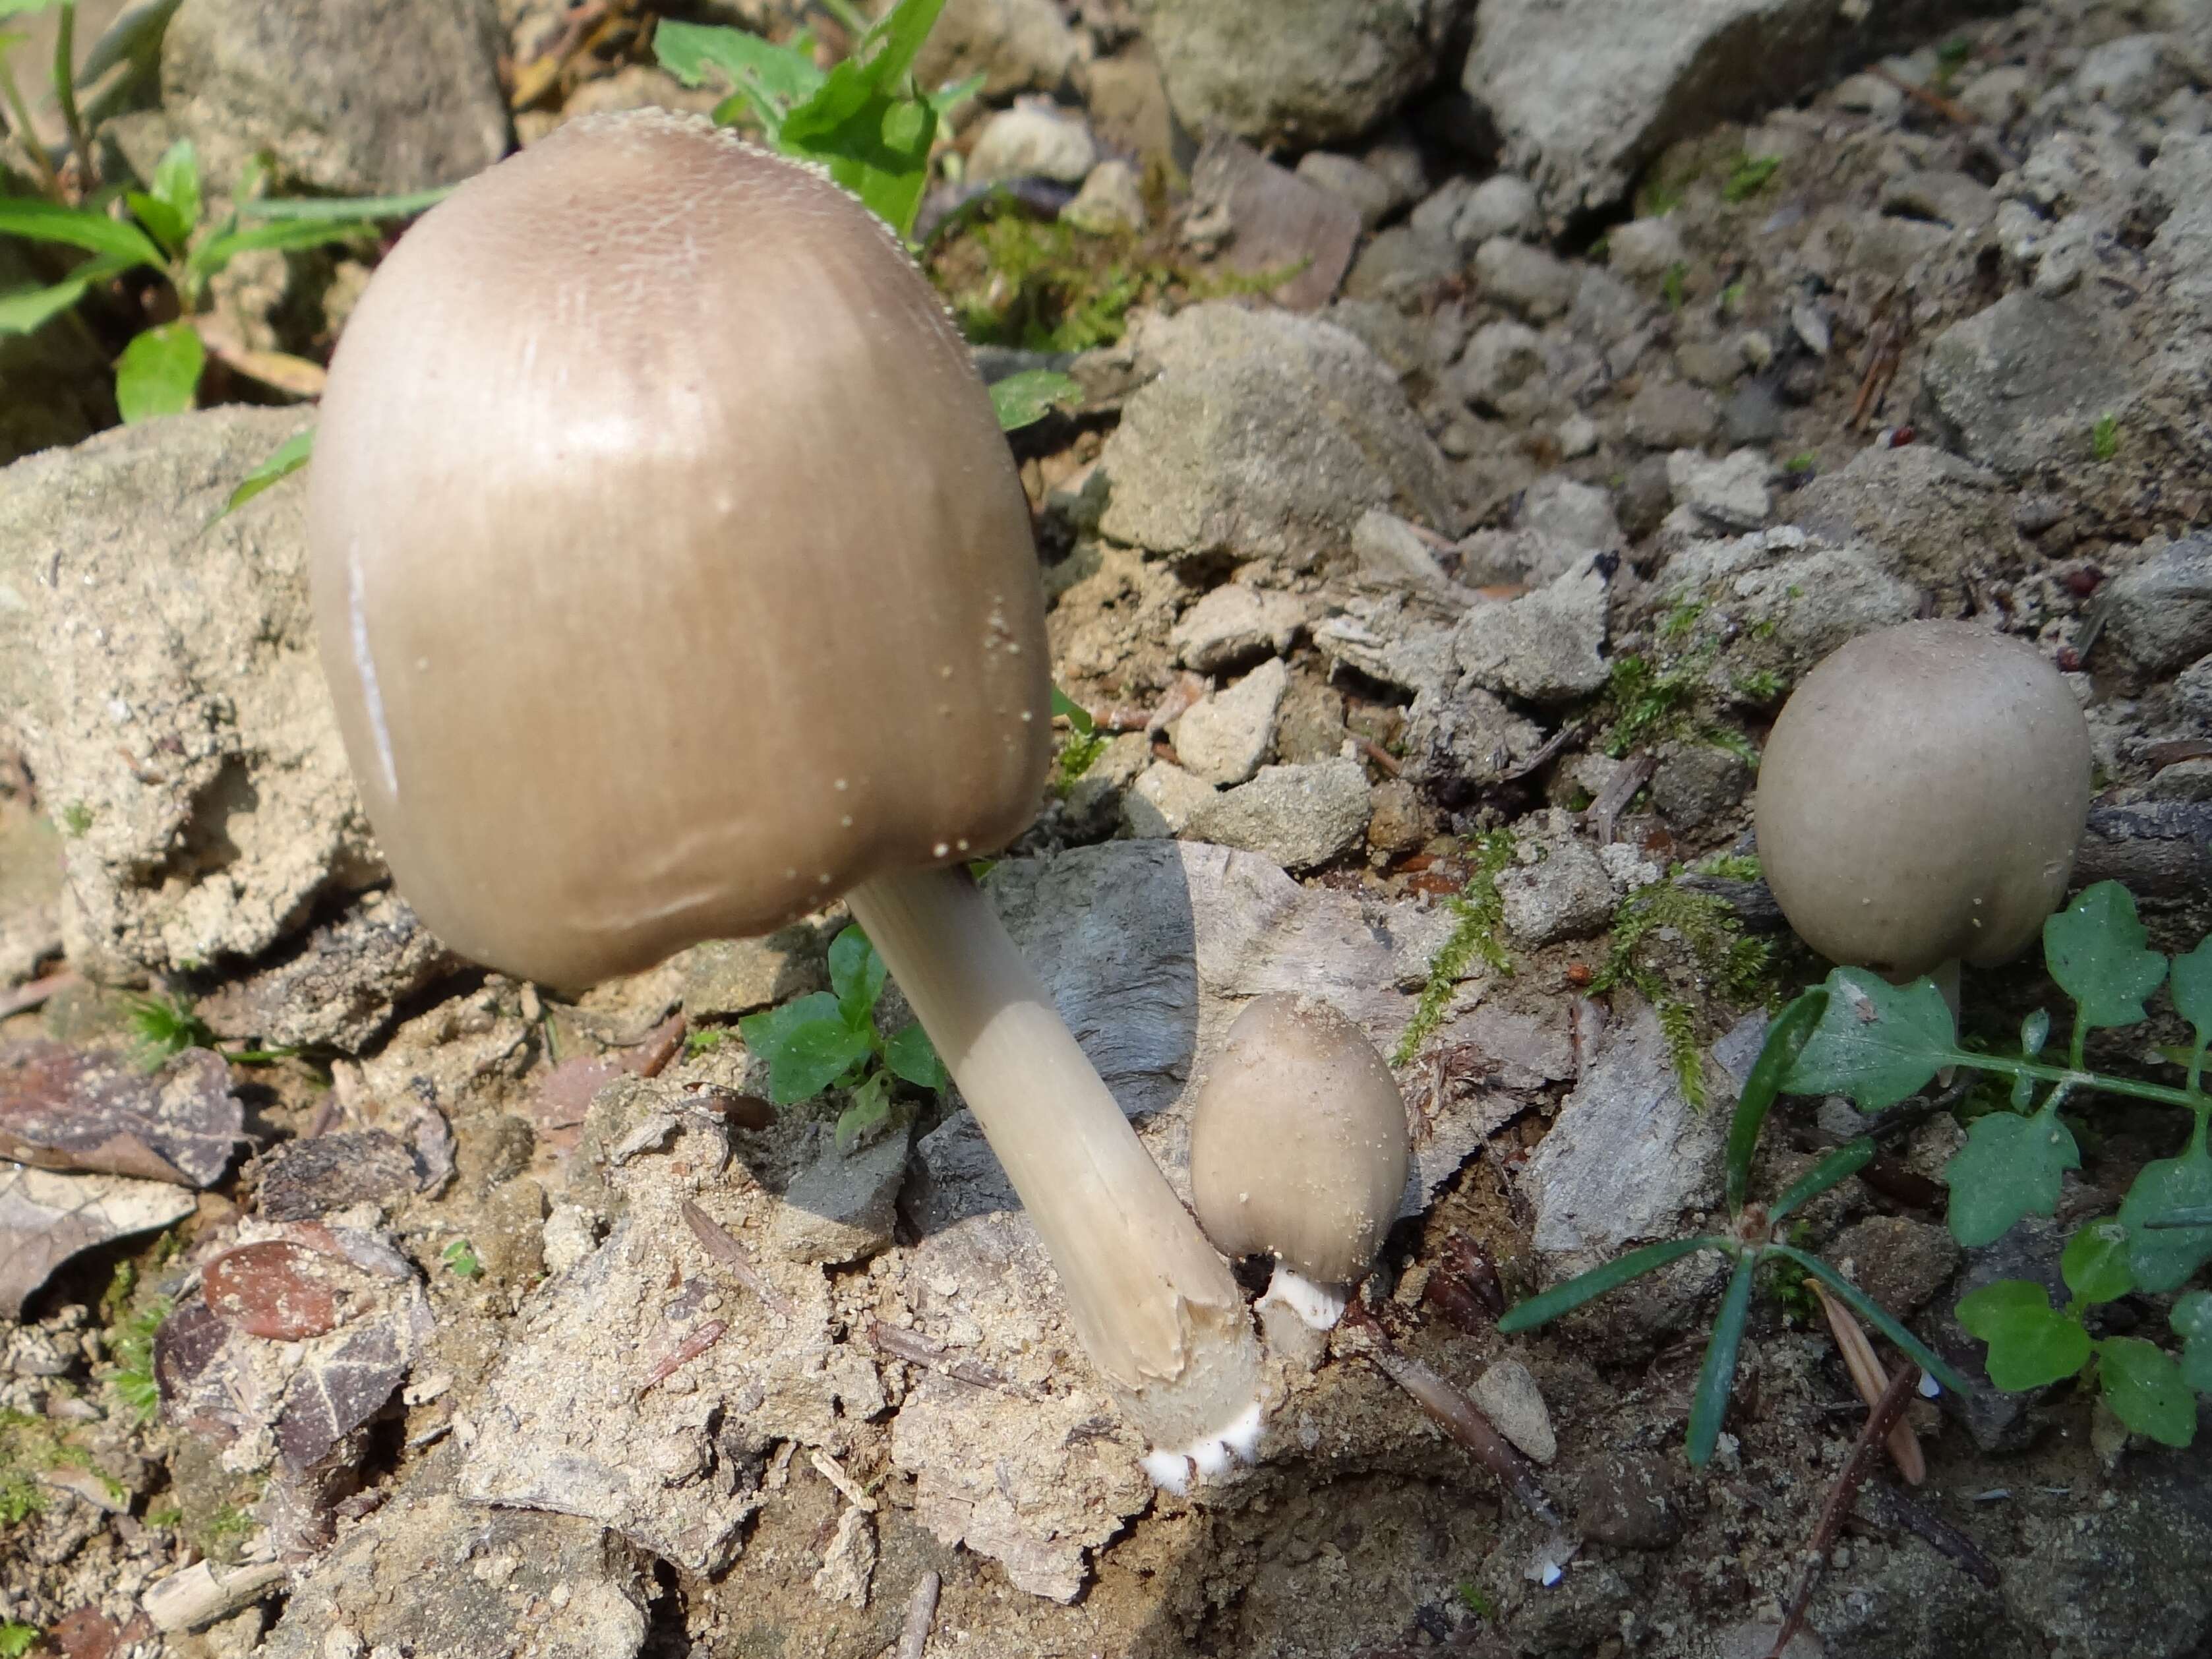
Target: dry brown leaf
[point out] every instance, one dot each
(45, 1219)
(63, 1107)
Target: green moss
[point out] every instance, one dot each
(1662, 921)
(1673, 286)
(1077, 755)
(16, 1639)
(2104, 437)
(76, 819)
(1657, 696)
(1480, 914)
(1748, 177)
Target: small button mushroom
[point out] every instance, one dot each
(672, 578)
(1921, 799)
(1298, 1151)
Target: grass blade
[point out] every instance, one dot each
(1844, 1161)
(1875, 1314)
(1710, 1404)
(1564, 1299)
(1785, 1040)
(301, 210)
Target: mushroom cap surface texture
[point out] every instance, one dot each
(1920, 797)
(1297, 1140)
(672, 572)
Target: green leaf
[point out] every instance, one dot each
(2192, 994)
(1785, 1039)
(2193, 1215)
(1025, 398)
(323, 209)
(1843, 1161)
(1078, 717)
(2146, 1390)
(911, 1056)
(1877, 1316)
(2032, 1344)
(2096, 952)
(1876, 1041)
(946, 98)
(177, 184)
(2095, 1263)
(807, 1045)
(767, 79)
(2010, 1166)
(856, 974)
(29, 308)
(18, 8)
(159, 372)
(84, 227)
(897, 37)
(2191, 1319)
(162, 222)
(1564, 1299)
(289, 235)
(870, 1105)
(286, 459)
(2163, 1258)
(1709, 1402)
(877, 148)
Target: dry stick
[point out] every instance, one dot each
(1884, 1413)
(1950, 109)
(1893, 1508)
(1871, 1381)
(24, 998)
(1455, 1414)
(690, 1348)
(920, 1614)
(1605, 811)
(715, 1239)
(918, 1349)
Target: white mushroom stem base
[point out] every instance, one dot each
(1154, 1306)
(1296, 1315)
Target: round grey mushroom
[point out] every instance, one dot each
(1922, 797)
(673, 578)
(1298, 1150)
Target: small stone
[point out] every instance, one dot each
(839, 1208)
(2187, 782)
(1509, 1396)
(1435, 214)
(1577, 437)
(1269, 220)
(1530, 280)
(1998, 95)
(1111, 199)
(1645, 496)
(725, 978)
(1234, 624)
(1566, 894)
(1729, 495)
(571, 1234)
(1644, 249)
(1626, 1498)
(2159, 614)
(306, 1180)
(1697, 783)
(1392, 554)
(274, 1289)
(1223, 738)
(1501, 371)
(1402, 822)
(1299, 817)
(1868, 94)
(1161, 801)
(1752, 416)
(1094, 800)
(1956, 199)
(1716, 364)
(1899, 1262)
(1033, 140)
(1502, 204)
(1373, 193)
(1544, 645)
(1400, 264)
(1671, 414)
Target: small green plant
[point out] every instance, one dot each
(1732, 297)
(1661, 197)
(2104, 437)
(132, 1324)
(1473, 1600)
(1754, 1239)
(1673, 286)
(1748, 177)
(1880, 1043)
(828, 1039)
(1800, 464)
(1651, 697)
(705, 1039)
(166, 1026)
(1084, 745)
(76, 819)
(1480, 913)
(16, 1639)
(1950, 58)
(459, 1259)
(1025, 398)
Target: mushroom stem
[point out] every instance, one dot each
(1296, 1315)
(1155, 1308)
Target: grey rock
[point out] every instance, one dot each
(2021, 382)
(2192, 689)
(1401, 822)
(1266, 435)
(2128, 1578)
(1998, 95)
(1374, 193)
(1502, 371)
(1459, 738)
(1670, 415)
(1559, 892)
(2183, 781)
(2133, 73)
(1234, 624)
(839, 1208)
(1645, 495)
(1400, 264)
(356, 97)
(1502, 204)
(1714, 364)
(306, 1180)
(1627, 1155)
(1530, 280)
(1392, 554)
(1930, 518)
(724, 978)
(1438, 211)
(1299, 817)
(1570, 511)
(1752, 415)
(1509, 1396)
(30, 888)
(1223, 738)
(1394, 639)
(1901, 1263)
(1626, 1498)
(1293, 73)
(160, 672)
(1644, 249)
(1016, 45)
(344, 985)
(1268, 220)
(1112, 199)
(2160, 617)
(1404, 342)
(1033, 140)
(1094, 802)
(1782, 600)
(1546, 646)
(1162, 800)
(1998, 1421)
(1697, 783)
(1956, 199)
(1729, 495)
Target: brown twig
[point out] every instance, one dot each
(37, 992)
(716, 1241)
(690, 1348)
(1893, 1508)
(1876, 1429)
(1605, 811)
(1884, 349)
(1949, 108)
(1454, 1413)
(1559, 739)
(916, 1349)
(1382, 756)
(921, 1614)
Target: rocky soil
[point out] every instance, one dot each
(1489, 413)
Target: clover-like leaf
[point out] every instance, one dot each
(2191, 1319)
(2095, 1262)
(2034, 1032)
(2192, 990)
(2146, 1390)
(911, 1056)
(1025, 398)
(2032, 1344)
(2010, 1166)
(1876, 1041)
(2163, 1258)
(870, 1105)
(2096, 952)
(856, 974)
(807, 1044)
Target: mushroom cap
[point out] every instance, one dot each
(1297, 1140)
(1920, 797)
(671, 573)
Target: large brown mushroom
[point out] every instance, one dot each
(673, 578)
(1921, 799)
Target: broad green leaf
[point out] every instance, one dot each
(288, 234)
(2193, 1215)
(28, 308)
(856, 974)
(2191, 1319)
(177, 182)
(2163, 1258)
(1566, 1298)
(2010, 1166)
(2192, 989)
(162, 222)
(1708, 1404)
(1876, 1041)
(770, 78)
(95, 232)
(2096, 952)
(323, 209)
(1785, 1039)
(896, 39)
(286, 459)
(1843, 1161)
(2146, 1390)
(1877, 1316)
(1077, 715)
(2095, 1263)
(159, 372)
(876, 146)
(1025, 398)
(911, 1056)
(134, 36)
(2032, 1344)
(870, 1105)
(807, 1045)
